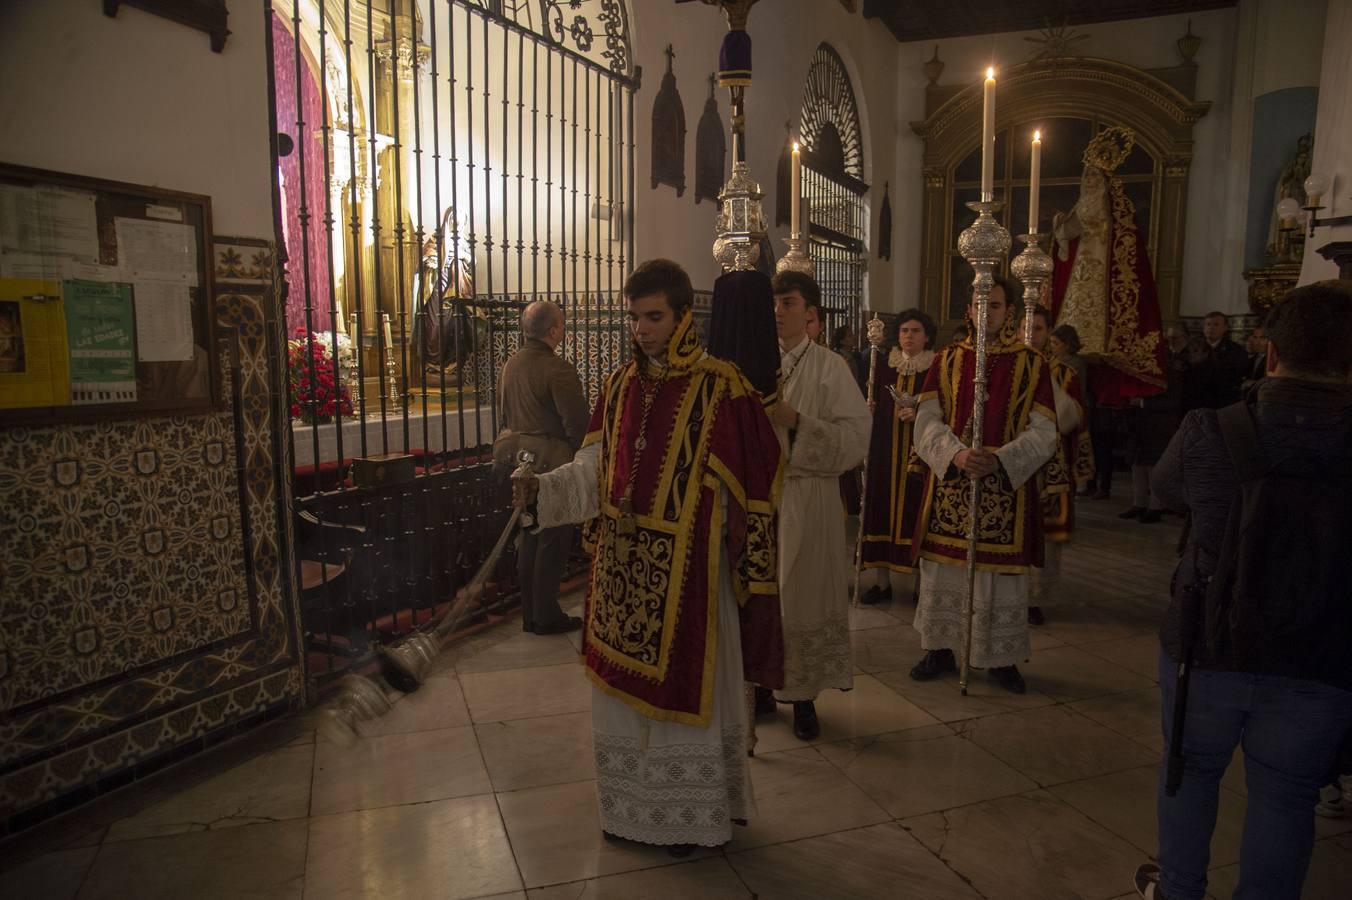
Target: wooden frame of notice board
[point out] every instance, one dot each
(106, 299)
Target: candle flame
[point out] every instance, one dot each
(990, 72)
(795, 146)
(1037, 135)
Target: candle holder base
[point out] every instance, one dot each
(797, 258)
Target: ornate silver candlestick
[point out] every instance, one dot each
(392, 382)
(1033, 268)
(352, 365)
(983, 245)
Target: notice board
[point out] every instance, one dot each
(105, 300)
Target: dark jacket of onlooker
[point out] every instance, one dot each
(1214, 374)
(1303, 427)
(542, 398)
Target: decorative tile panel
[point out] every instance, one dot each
(143, 597)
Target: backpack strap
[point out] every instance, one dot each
(1241, 439)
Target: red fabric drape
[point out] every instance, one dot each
(310, 110)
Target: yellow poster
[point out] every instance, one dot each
(34, 357)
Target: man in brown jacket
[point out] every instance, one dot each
(545, 411)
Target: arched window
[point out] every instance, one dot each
(833, 182)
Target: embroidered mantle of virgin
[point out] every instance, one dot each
(652, 612)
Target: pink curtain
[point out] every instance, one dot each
(311, 200)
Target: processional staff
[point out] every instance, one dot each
(875, 345)
(983, 245)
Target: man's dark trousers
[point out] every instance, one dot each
(1290, 730)
(541, 558)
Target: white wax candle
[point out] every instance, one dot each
(988, 137)
(1034, 182)
(388, 341)
(796, 189)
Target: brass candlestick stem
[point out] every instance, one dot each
(983, 245)
(1033, 267)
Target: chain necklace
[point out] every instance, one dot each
(793, 361)
(627, 524)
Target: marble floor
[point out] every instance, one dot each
(479, 785)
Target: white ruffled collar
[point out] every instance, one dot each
(909, 366)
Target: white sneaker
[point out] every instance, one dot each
(1330, 804)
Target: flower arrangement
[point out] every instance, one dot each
(316, 395)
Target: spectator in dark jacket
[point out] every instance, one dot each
(1217, 365)
(1290, 708)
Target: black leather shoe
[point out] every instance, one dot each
(765, 702)
(680, 851)
(1035, 616)
(1008, 677)
(876, 594)
(1134, 512)
(571, 623)
(805, 724)
(934, 663)
(1150, 517)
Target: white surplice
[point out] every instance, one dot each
(1044, 587)
(814, 561)
(999, 601)
(661, 782)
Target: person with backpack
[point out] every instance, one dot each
(1255, 640)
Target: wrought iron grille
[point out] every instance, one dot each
(441, 164)
(833, 171)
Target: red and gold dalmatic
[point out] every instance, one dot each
(896, 477)
(1010, 534)
(651, 631)
(1071, 467)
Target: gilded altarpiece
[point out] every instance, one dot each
(144, 583)
(1156, 104)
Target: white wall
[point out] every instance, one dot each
(784, 35)
(1333, 138)
(1145, 43)
(141, 99)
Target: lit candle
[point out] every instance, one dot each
(988, 137)
(796, 188)
(388, 342)
(1034, 182)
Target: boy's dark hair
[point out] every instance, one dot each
(838, 336)
(1067, 335)
(1044, 312)
(1216, 314)
(927, 323)
(661, 276)
(807, 287)
(1312, 329)
(1012, 293)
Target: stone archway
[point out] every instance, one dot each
(1161, 115)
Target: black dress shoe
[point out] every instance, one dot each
(571, 623)
(1035, 616)
(876, 594)
(1150, 517)
(805, 724)
(1008, 677)
(1133, 512)
(1102, 495)
(680, 851)
(934, 663)
(765, 702)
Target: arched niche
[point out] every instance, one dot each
(1098, 90)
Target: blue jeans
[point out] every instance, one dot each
(1290, 730)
